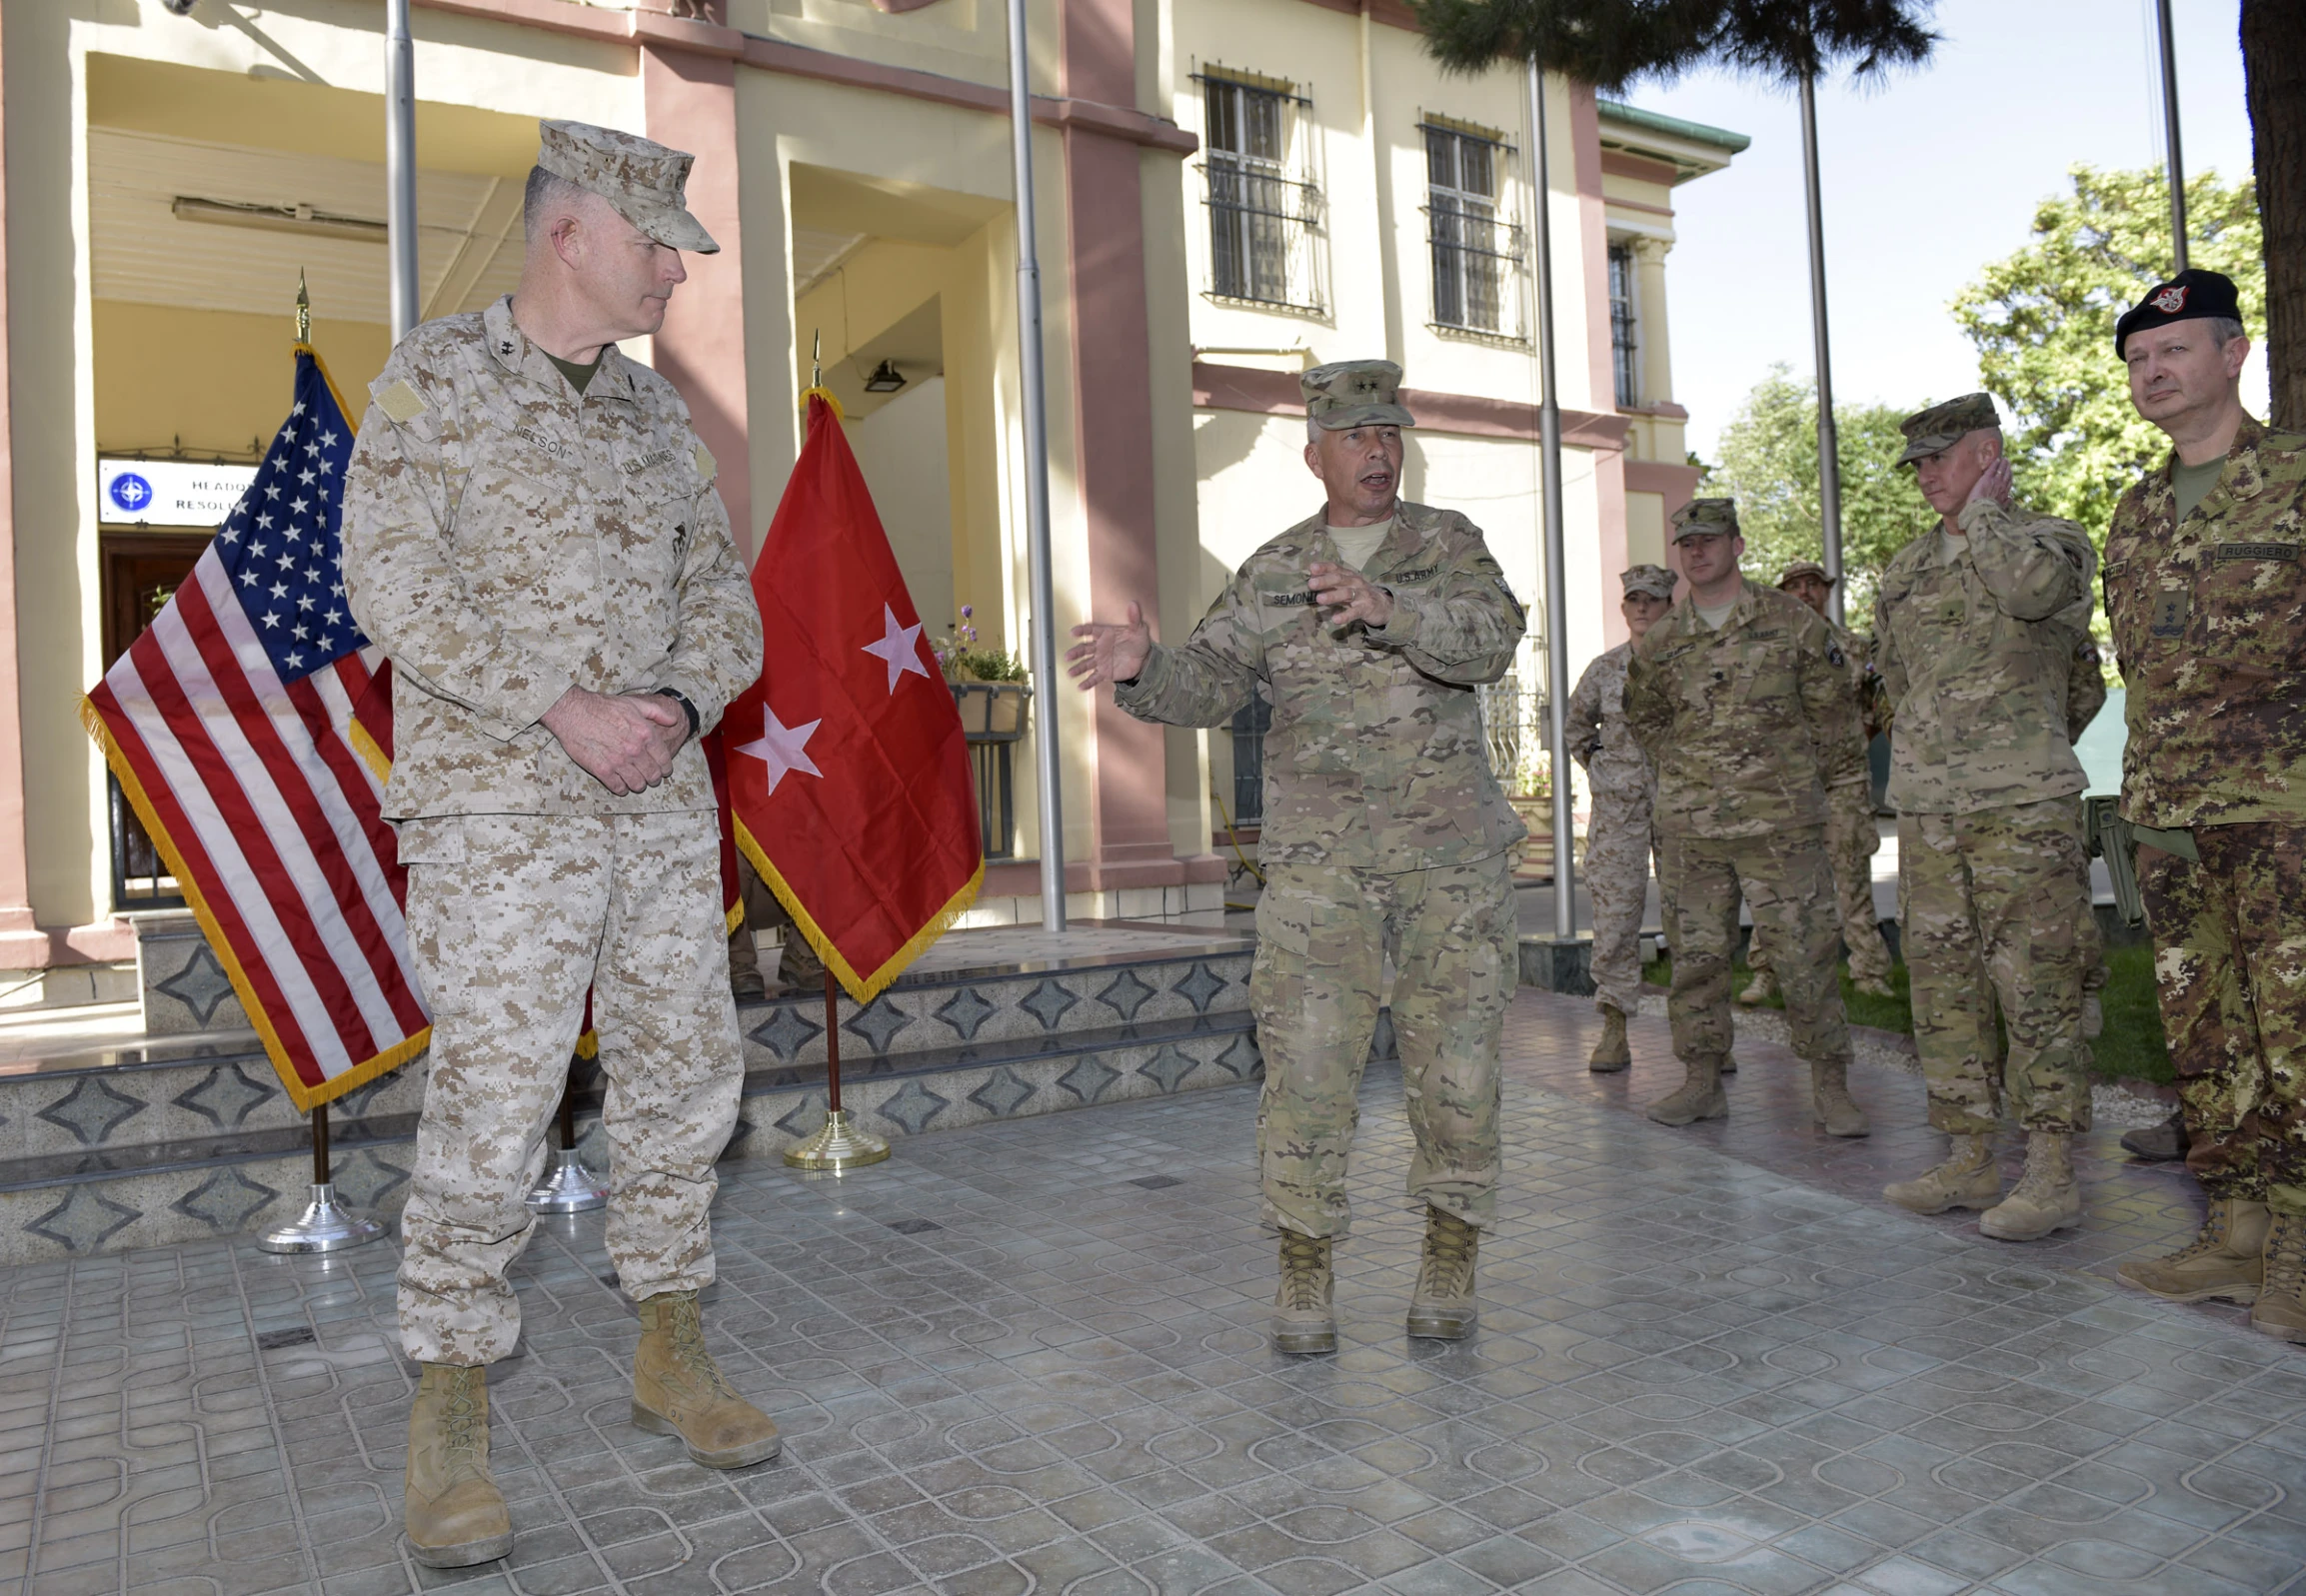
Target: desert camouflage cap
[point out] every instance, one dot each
(1943, 426)
(643, 181)
(1803, 568)
(1654, 581)
(1355, 393)
(1702, 516)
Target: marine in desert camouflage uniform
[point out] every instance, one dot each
(1621, 837)
(1975, 626)
(1368, 625)
(532, 534)
(1741, 699)
(2206, 594)
(1851, 836)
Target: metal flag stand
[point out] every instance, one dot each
(839, 1146)
(325, 1225)
(571, 1187)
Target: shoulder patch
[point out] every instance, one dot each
(1504, 587)
(704, 459)
(402, 403)
(1833, 653)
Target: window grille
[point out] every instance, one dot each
(1264, 205)
(1478, 251)
(1623, 345)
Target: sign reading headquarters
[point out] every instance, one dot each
(168, 492)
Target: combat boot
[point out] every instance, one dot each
(2281, 1308)
(2160, 1143)
(1611, 1053)
(1967, 1179)
(1729, 1063)
(2226, 1260)
(449, 1505)
(678, 1390)
(1874, 986)
(1699, 1097)
(2045, 1197)
(1831, 1103)
(1305, 1312)
(1443, 1308)
(1760, 991)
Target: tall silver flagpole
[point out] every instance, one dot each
(1043, 644)
(2177, 162)
(1556, 576)
(1828, 443)
(401, 165)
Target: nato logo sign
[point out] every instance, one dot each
(191, 493)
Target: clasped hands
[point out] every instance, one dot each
(1117, 650)
(625, 741)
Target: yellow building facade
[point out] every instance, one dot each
(1227, 191)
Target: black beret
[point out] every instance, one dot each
(2191, 296)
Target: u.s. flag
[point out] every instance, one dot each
(229, 725)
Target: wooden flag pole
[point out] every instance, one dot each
(839, 1146)
(325, 1225)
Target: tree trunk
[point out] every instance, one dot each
(2274, 65)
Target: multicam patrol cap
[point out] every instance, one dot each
(1943, 426)
(1654, 582)
(643, 181)
(1355, 393)
(1703, 516)
(2190, 296)
(1803, 568)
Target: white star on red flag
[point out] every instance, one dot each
(900, 647)
(784, 749)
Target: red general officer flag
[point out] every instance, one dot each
(847, 772)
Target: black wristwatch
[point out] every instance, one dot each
(688, 709)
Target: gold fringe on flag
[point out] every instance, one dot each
(862, 987)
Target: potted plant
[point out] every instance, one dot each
(988, 684)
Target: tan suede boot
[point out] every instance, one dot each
(1698, 1097)
(1443, 1306)
(678, 1390)
(1830, 1102)
(449, 1505)
(2281, 1308)
(1874, 986)
(2225, 1261)
(1760, 991)
(2045, 1197)
(1967, 1179)
(1611, 1054)
(1304, 1314)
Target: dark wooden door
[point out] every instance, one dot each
(141, 570)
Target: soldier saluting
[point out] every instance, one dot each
(1368, 625)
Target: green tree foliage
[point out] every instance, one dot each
(2043, 323)
(1609, 43)
(1768, 464)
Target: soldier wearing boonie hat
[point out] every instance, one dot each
(1975, 630)
(1621, 838)
(1366, 626)
(1851, 836)
(2206, 596)
(1741, 698)
(554, 810)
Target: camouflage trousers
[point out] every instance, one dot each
(1993, 917)
(1619, 840)
(2230, 968)
(1322, 937)
(511, 918)
(1786, 881)
(1851, 841)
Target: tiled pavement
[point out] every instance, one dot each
(1026, 1357)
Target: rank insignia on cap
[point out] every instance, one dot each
(2172, 300)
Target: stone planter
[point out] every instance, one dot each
(991, 712)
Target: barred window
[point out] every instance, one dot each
(1264, 206)
(1476, 247)
(1623, 345)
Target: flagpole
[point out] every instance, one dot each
(839, 1146)
(1828, 441)
(401, 166)
(1043, 644)
(2177, 165)
(1556, 575)
(571, 1187)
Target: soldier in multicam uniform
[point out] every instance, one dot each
(1974, 633)
(2206, 592)
(532, 532)
(1851, 836)
(1621, 837)
(1741, 699)
(1368, 625)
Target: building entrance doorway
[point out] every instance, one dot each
(141, 573)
